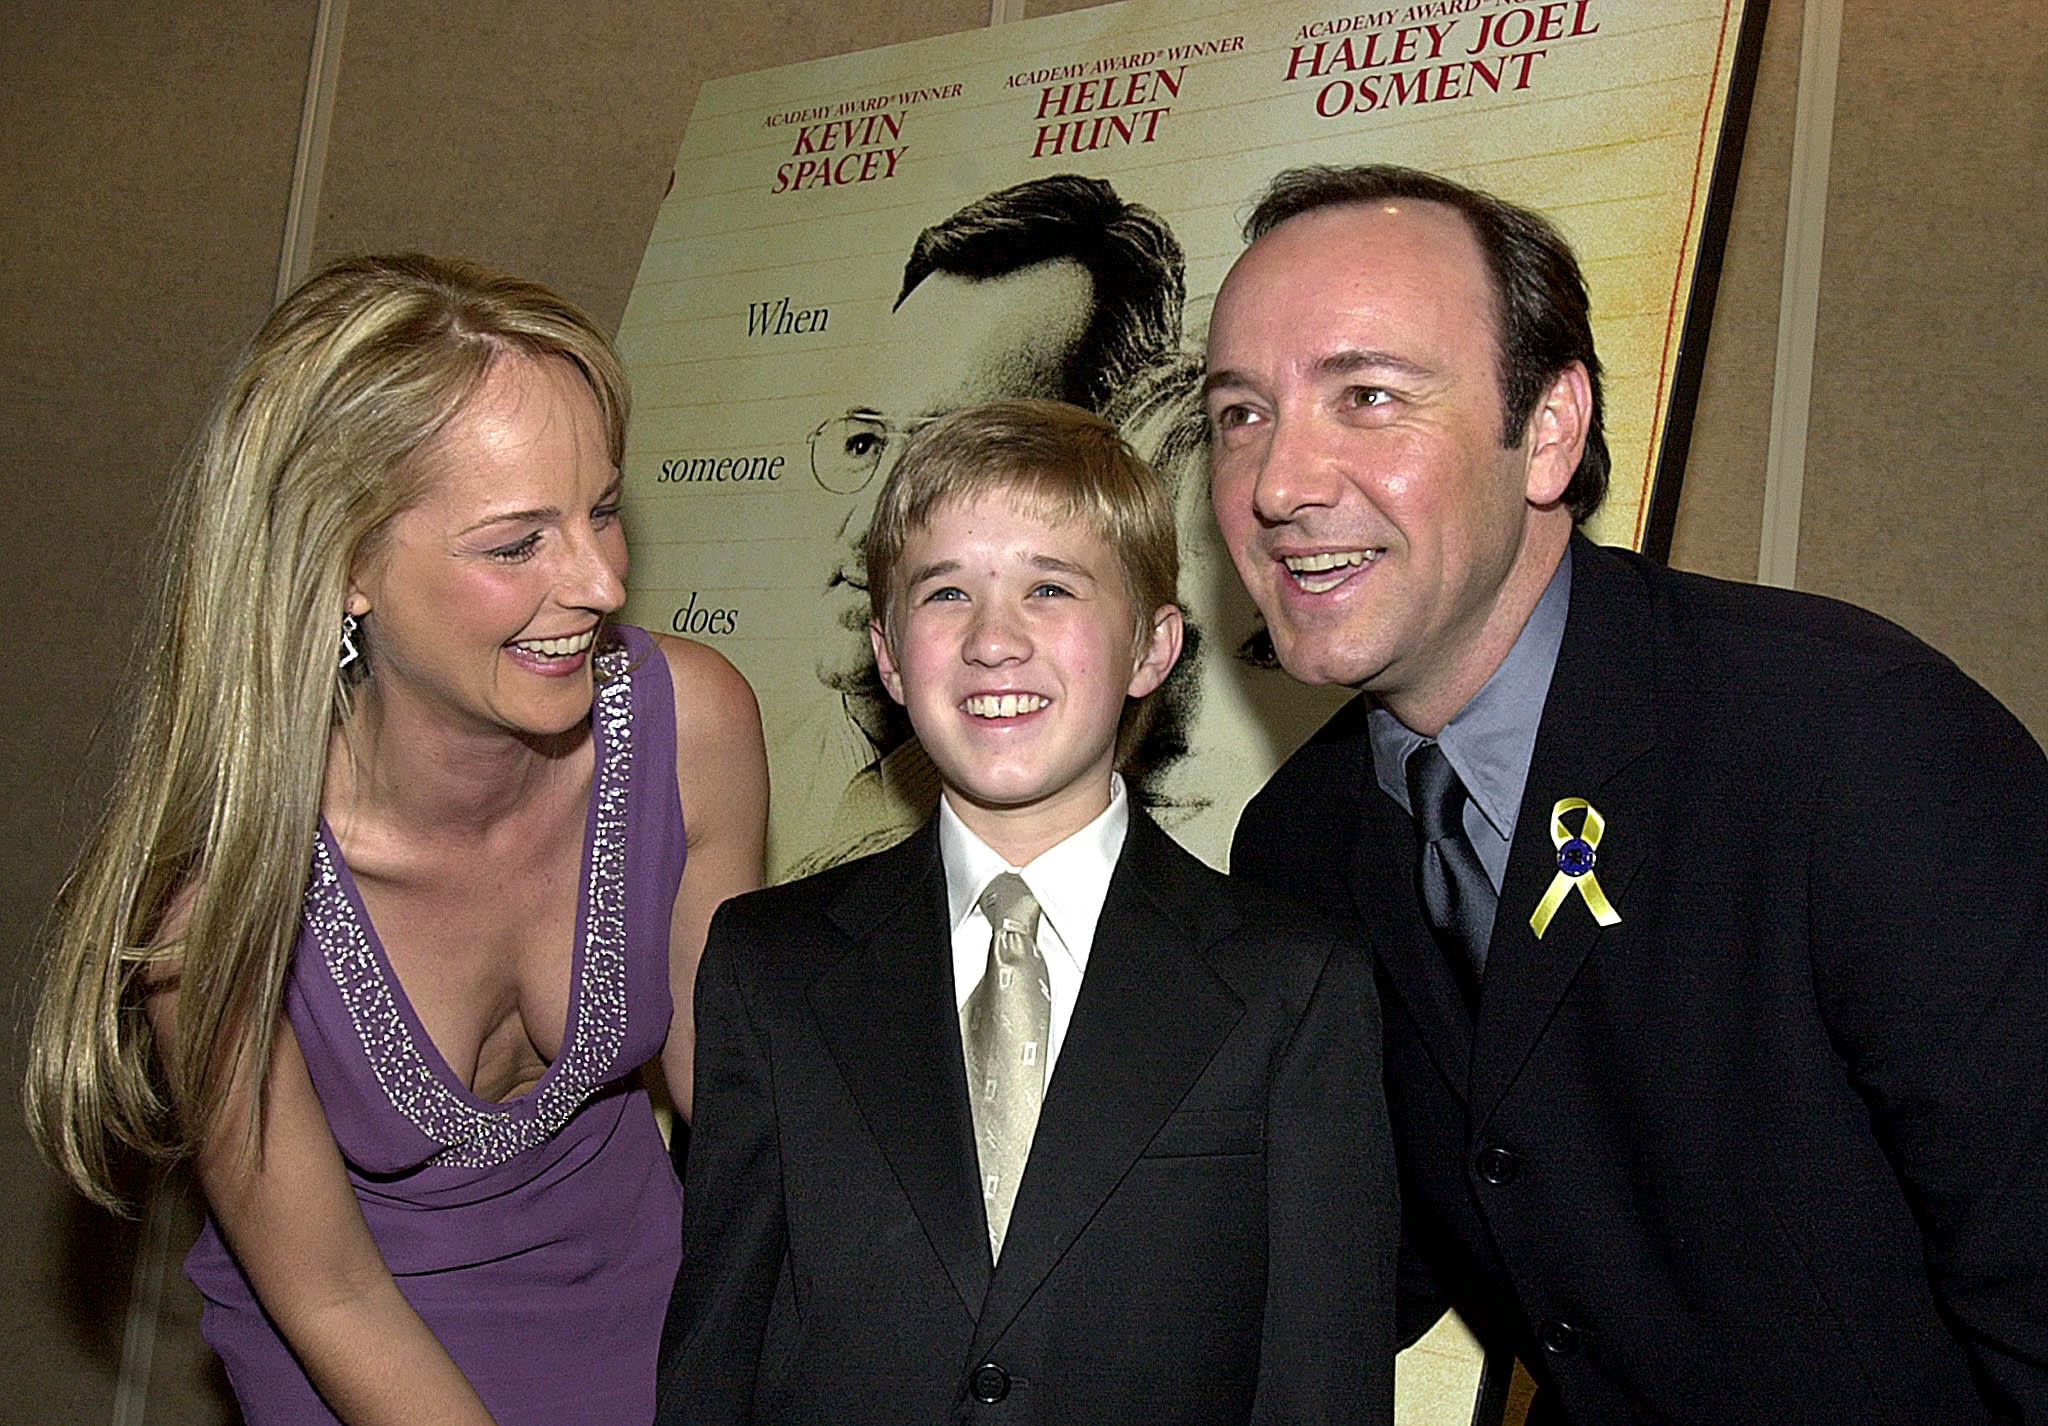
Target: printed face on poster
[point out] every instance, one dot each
(858, 244)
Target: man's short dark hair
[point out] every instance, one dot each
(1127, 250)
(1542, 314)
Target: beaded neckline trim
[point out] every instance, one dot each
(473, 1134)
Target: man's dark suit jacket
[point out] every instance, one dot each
(1206, 1228)
(1774, 1148)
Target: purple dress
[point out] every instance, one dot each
(539, 1238)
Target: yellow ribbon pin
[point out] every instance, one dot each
(1575, 858)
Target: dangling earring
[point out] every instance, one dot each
(349, 652)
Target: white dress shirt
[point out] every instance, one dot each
(1070, 881)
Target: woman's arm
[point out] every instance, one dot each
(282, 1201)
(722, 777)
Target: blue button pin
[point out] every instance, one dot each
(1575, 858)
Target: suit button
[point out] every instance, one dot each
(990, 1383)
(1560, 1339)
(1497, 1165)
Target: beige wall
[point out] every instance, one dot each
(149, 151)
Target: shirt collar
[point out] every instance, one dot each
(1490, 741)
(1070, 879)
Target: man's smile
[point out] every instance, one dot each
(1320, 573)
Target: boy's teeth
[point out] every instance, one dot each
(559, 648)
(1333, 567)
(1006, 705)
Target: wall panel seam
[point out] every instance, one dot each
(1813, 135)
(302, 209)
(145, 1311)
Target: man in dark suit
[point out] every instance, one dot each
(1711, 921)
(1116, 1152)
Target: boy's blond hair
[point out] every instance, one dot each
(1057, 462)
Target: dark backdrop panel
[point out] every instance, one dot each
(1924, 493)
(148, 150)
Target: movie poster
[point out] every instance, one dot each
(1065, 195)
(855, 245)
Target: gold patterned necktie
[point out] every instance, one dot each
(1003, 1029)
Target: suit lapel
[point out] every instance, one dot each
(1595, 742)
(1355, 853)
(1151, 1014)
(887, 1012)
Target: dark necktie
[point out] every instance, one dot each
(1456, 895)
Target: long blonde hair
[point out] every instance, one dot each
(195, 873)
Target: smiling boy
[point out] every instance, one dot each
(1031, 1117)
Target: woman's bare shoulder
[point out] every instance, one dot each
(714, 701)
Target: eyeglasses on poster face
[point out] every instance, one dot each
(847, 450)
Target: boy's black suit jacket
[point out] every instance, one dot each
(1206, 1228)
(1774, 1148)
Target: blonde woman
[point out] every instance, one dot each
(392, 900)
